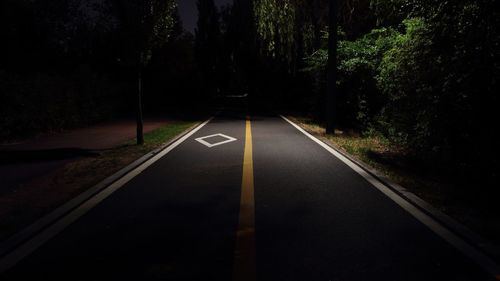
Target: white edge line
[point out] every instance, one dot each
(11, 259)
(484, 261)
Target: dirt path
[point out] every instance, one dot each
(100, 136)
(28, 160)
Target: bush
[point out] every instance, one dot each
(404, 78)
(428, 84)
(359, 100)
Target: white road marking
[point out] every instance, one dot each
(38, 240)
(203, 141)
(484, 261)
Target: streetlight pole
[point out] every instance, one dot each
(140, 121)
(331, 69)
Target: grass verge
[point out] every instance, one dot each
(476, 211)
(38, 197)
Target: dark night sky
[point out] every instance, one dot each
(189, 13)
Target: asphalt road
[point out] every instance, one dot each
(308, 217)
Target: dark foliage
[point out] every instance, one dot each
(208, 44)
(69, 63)
(426, 77)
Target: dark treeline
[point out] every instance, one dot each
(225, 48)
(68, 63)
(422, 74)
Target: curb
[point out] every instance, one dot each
(10, 244)
(451, 224)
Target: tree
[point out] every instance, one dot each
(146, 24)
(240, 38)
(332, 69)
(207, 41)
(287, 30)
(276, 28)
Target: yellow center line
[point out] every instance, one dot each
(244, 254)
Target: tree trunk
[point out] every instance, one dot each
(140, 122)
(332, 70)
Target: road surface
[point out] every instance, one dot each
(266, 204)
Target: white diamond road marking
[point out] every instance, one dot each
(202, 140)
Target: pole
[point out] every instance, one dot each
(332, 70)
(140, 125)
